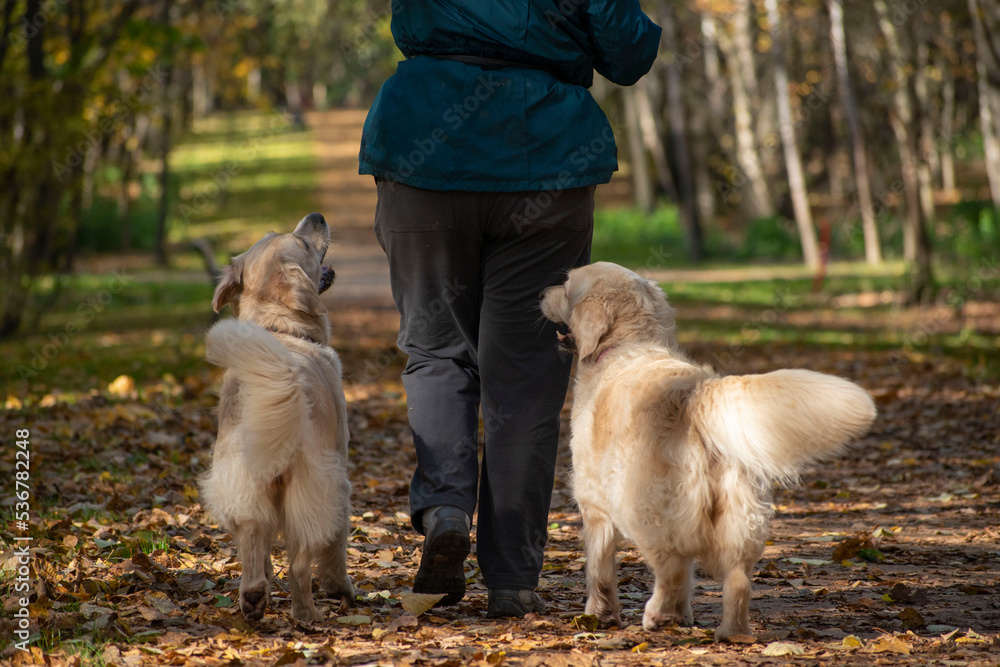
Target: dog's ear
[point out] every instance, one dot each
(653, 289)
(660, 310)
(590, 321)
(230, 287)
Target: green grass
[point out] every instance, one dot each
(235, 177)
(635, 238)
(968, 231)
(239, 176)
(149, 323)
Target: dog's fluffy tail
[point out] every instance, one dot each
(272, 392)
(777, 423)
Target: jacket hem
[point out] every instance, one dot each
(498, 184)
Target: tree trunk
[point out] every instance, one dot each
(652, 137)
(947, 142)
(679, 141)
(916, 241)
(125, 199)
(164, 156)
(744, 24)
(716, 93)
(922, 96)
(642, 182)
(750, 180)
(704, 125)
(988, 73)
(202, 94)
(869, 226)
(786, 125)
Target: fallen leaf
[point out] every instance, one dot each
(289, 657)
(404, 621)
(775, 649)
(809, 561)
(223, 601)
(585, 622)
(122, 386)
(912, 620)
(355, 619)
(890, 644)
(418, 603)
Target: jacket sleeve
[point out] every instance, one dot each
(625, 40)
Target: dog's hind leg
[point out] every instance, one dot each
(254, 541)
(300, 581)
(735, 604)
(600, 545)
(332, 564)
(671, 600)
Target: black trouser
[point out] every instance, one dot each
(466, 269)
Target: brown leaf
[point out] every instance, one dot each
(404, 621)
(290, 657)
(418, 603)
(890, 644)
(912, 620)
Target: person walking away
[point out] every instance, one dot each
(486, 147)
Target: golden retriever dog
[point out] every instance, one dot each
(675, 457)
(280, 460)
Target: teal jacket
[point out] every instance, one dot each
(518, 116)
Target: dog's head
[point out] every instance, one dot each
(606, 305)
(280, 272)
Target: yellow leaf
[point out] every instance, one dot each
(122, 386)
(775, 649)
(889, 644)
(418, 603)
(496, 658)
(640, 648)
(850, 641)
(587, 622)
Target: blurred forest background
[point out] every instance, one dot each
(768, 130)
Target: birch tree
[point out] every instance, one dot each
(786, 127)
(739, 57)
(873, 250)
(916, 241)
(988, 72)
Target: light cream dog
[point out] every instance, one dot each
(675, 457)
(280, 459)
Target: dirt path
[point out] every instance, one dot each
(348, 199)
(889, 555)
(874, 558)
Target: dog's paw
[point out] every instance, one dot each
(609, 619)
(339, 589)
(306, 613)
(253, 604)
(724, 632)
(653, 618)
(606, 618)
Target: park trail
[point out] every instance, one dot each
(889, 555)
